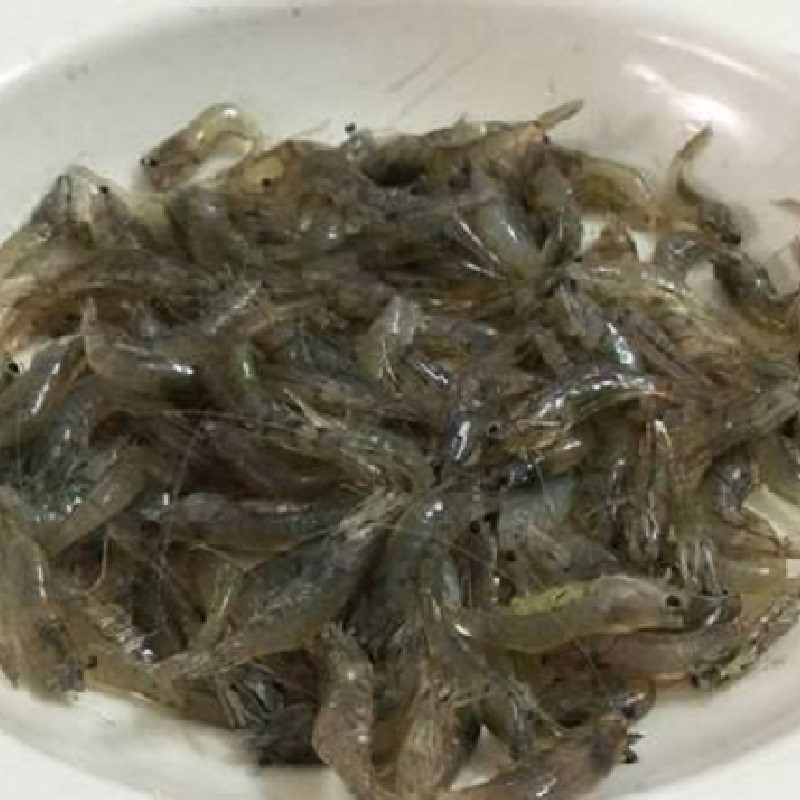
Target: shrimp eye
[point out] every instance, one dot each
(631, 757)
(13, 367)
(673, 601)
(493, 431)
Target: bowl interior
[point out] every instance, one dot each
(308, 72)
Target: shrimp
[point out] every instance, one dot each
(37, 647)
(583, 319)
(606, 186)
(171, 162)
(710, 216)
(92, 208)
(569, 769)
(545, 621)
(344, 727)
(392, 332)
(541, 420)
(116, 489)
(709, 654)
(289, 602)
(573, 699)
(438, 736)
(701, 565)
(262, 527)
(28, 400)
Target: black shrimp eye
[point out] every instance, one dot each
(149, 162)
(493, 430)
(673, 601)
(350, 127)
(13, 368)
(103, 189)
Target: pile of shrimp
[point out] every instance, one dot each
(367, 451)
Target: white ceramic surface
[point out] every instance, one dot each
(96, 81)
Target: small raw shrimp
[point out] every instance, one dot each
(710, 216)
(548, 348)
(533, 528)
(389, 336)
(540, 508)
(28, 399)
(506, 705)
(500, 227)
(549, 619)
(605, 186)
(760, 630)
(71, 426)
(573, 699)
(570, 768)
(708, 571)
(220, 590)
(172, 161)
(211, 237)
(421, 537)
(437, 739)
(345, 725)
(285, 603)
(550, 200)
(96, 210)
(263, 527)
(36, 646)
(582, 318)
(541, 420)
(273, 705)
(669, 656)
(126, 362)
(115, 490)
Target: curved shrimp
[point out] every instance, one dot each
(172, 161)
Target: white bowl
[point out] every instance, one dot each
(97, 81)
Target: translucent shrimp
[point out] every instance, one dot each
(389, 335)
(115, 490)
(569, 769)
(545, 621)
(542, 420)
(289, 602)
(92, 208)
(26, 402)
(172, 161)
(36, 645)
(344, 726)
(263, 527)
(438, 736)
